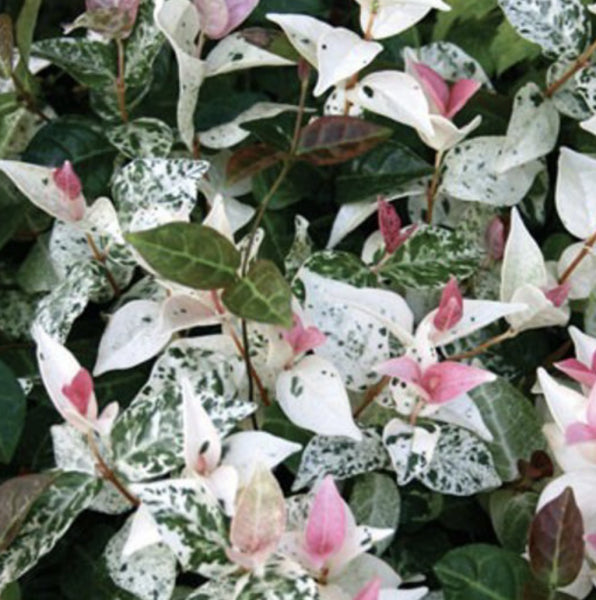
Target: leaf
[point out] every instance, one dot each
(340, 266)
(429, 258)
(193, 255)
(263, 295)
(25, 29)
(13, 408)
(380, 171)
(509, 49)
(511, 514)
(272, 41)
(511, 419)
(556, 542)
(334, 139)
(560, 27)
(250, 160)
(340, 457)
(482, 572)
(142, 138)
(52, 513)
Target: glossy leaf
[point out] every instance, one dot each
(193, 255)
(334, 139)
(556, 541)
(263, 295)
(12, 408)
(250, 160)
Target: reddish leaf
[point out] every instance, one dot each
(333, 140)
(250, 160)
(539, 467)
(556, 541)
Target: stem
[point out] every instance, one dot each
(121, 82)
(27, 99)
(579, 64)
(416, 412)
(577, 260)
(98, 256)
(507, 335)
(107, 473)
(371, 394)
(434, 186)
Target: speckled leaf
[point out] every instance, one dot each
(577, 98)
(151, 192)
(341, 266)
(470, 173)
(340, 457)
(301, 248)
(511, 419)
(560, 27)
(46, 522)
(216, 589)
(461, 465)
(143, 138)
(263, 295)
(429, 257)
(146, 439)
(189, 520)
(91, 63)
(149, 573)
(533, 129)
(190, 254)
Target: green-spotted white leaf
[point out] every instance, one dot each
(142, 138)
(46, 522)
(216, 589)
(560, 27)
(193, 255)
(301, 248)
(471, 172)
(429, 257)
(461, 465)
(149, 573)
(178, 20)
(146, 439)
(577, 97)
(512, 420)
(533, 129)
(151, 192)
(262, 295)
(189, 520)
(340, 457)
(340, 266)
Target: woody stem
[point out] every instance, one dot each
(579, 257)
(433, 187)
(507, 335)
(99, 257)
(581, 62)
(371, 394)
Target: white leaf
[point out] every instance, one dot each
(464, 413)
(340, 54)
(446, 134)
(583, 277)
(532, 131)
(143, 532)
(312, 396)
(565, 404)
(234, 53)
(541, 312)
(574, 195)
(397, 96)
(585, 345)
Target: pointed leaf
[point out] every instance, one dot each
(250, 160)
(263, 295)
(13, 409)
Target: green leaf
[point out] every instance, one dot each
(462, 11)
(556, 542)
(12, 408)
(341, 266)
(193, 255)
(508, 48)
(263, 295)
(511, 514)
(511, 419)
(429, 257)
(381, 171)
(335, 139)
(482, 572)
(46, 522)
(143, 138)
(25, 29)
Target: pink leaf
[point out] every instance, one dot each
(577, 371)
(68, 182)
(577, 433)
(220, 17)
(591, 411)
(303, 339)
(403, 368)
(79, 391)
(558, 294)
(447, 380)
(460, 93)
(495, 237)
(370, 591)
(451, 307)
(434, 86)
(390, 226)
(239, 11)
(326, 525)
(591, 539)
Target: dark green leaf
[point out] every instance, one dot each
(335, 139)
(556, 542)
(263, 295)
(482, 572)
(190, 254)
(12, 409)
(511, 514)
(277, 131)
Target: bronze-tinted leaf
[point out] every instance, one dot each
(271, 40)
(6, 46)
(538, 467)
(334, 139)
(556, 541)
(250, 160)
(16, 498)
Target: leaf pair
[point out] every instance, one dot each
(199, 257)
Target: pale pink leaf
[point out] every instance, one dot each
(326, 525)
(370, 591)
(558, 294)
(214, 17)
(302, 339)
(403, 368)
(591, 539)
(495, 237)
(434, 85)
(447, 380)
(578, 433)
(577, 371)
(451, 307)
(238, 11)
(460, 93)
